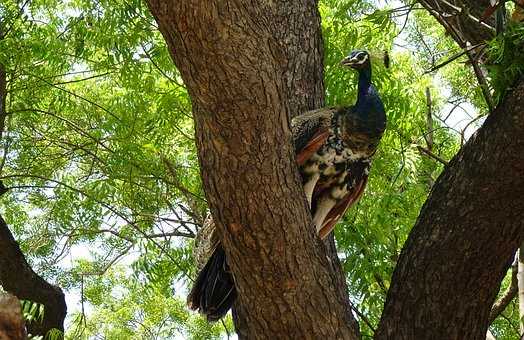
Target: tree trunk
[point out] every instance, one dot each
(12, 325)
(463, 243)
(248, 68)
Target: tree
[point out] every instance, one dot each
(241, 111)
(241, 118)
(11, 324)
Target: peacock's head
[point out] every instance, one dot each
(358, 59)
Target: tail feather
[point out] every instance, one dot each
(213, 292)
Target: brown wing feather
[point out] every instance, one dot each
(338, 210)
(312, 146)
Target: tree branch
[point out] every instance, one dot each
(427, 152)
(17, 278)
(500, 305)
(12, 325)
(465, 237)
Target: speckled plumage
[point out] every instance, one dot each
(304, 126)
(206, 241)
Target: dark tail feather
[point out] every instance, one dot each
(213, 292)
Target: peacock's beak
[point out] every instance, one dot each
(349, 61)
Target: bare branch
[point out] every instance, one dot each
(500, 305)
(429, 120)
(453, 58)
(432, 155)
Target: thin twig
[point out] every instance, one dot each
(453, 58)
(363, 317)
(429, 120)
(78, 96)
(432, 155)
(500, 305)
(463, 133)
(20, 12)
(225, 328)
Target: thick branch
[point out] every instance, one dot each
(463, 18)
(500, 305)
(17, 278)
(428, 153)
(450, 269)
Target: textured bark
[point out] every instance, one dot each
(12, 325)
(463, 243)
(248, 68)
(340, 281)
(295, 26)
(17, 278)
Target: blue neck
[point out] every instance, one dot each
(364, 82)
(368, 115)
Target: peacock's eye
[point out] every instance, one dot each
(360, 56)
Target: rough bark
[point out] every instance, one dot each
(295, 26)
(12, 325)
(248, 68)
(18, 278)
(340, 281)
(463, 243)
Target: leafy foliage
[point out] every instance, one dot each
(32, 311)
(507, 59)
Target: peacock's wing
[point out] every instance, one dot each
(342, 206)
(206, 241)
(310, 131)
(356, 176)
